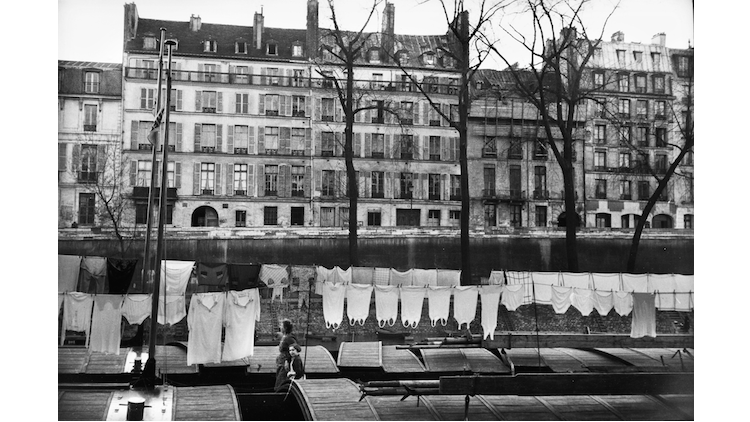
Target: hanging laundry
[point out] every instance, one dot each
(450, 278)
(401, 278)
(93, 275)
(343, 276)
(333, 304)
(323, 274)
(606, 281)
(412, 299)
(106, 324)
(275, 277)
(68, 268)
(212, 275)
(386, 305)
(60, 299)
(541, 290)
(77, 309)
(438, 304)
(634, 282)
(174, 278)
(561, 299)
(644, 315)
(603, 301)
(362, 275)
(243, 276)
(581, 299)
(683, 299)
(358, 303)
(424, 277)
(490, 302)
(381, 276)
(241, 311)
(204, 328)
(171, 309)
(304, 276)
(497, 277)
(120, 274)
(577, 280)
(136, 308)
(623, 302)
(522, 278)
(465, 304)
(512, 296)
(664, 286)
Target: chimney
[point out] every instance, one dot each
(659, 39)
(131, 22)
(618, 36)
(195, 23)
(258, 29)
(387, 31)
(569, 33)
(312, 28)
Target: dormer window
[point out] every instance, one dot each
(637, 56)
(428, 58)
(373, 56)
(209, 46)
(448, 61)
(403, 57)
(91, 83)
(240, 47)
(272, 49)
(149, 42)
(297, 49)
(327, 54)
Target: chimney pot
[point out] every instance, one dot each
(195, 23)
(618, 36)
(258, 29)
(659, 39)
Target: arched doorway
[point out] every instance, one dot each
(662, 221)
(205, 216)
(562, 220)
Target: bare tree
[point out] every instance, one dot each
(555, 81)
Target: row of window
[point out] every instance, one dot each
(515, 149)
(603, 109)
(626, 162)
(627, 221)
(638, 136)
(626, 190)
(622, 82)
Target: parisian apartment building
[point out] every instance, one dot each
(256, 133)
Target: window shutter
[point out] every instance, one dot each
(251, 139)
(338, 144)
(307, 181)
(219, 143)
(178, 102)
(144, 104)
(318, 109)
(289, 76)
(396, 183)
(261, 141)
(396, 147)
(133, 171)
(445, 190)
(415, 148)
(339, 184)
(62, 156)
(178, 175)
(426, 113)
(425, 147)
(198, 105)
(367, 116)
(444, 150)
(415, 112)
(308, 141)
(178, 136)
(308, 106)
(229, 171)
(423, 188)
(76, 157)
(197, 179)
(387, 153)
(217, 179)
(318, 140)
(134, 135)
(337, 111)
(358, 144)
(197, 138)
(230, 139)
(261, 180)
(282, 105)
(319, 181)
(285, 173)
(368, 145)
(367, 184)
(360, 177)
(388, 185)
(447, 112)
(101, 158)
(233, 103)
(285, 141)
(219, 102)
(261, 104)
(250, 180)
(454, 146)
(263, 79)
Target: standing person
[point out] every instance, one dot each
(296, 369)
(284, 357)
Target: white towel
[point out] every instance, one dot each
(512, 296)
(561, 299)
(333, 304)
(412, 299)
(542, 292)
(136, 308)
(683, 299)
(603, 301)
(450, 278)
(465, 304)
(606, 281)
(174, 277)
(438, 302)
(522, 278)
(577, 280)
(171, 309)
(362, 275)
(623, 302)
(581, 299)
(343, 276)
(358, 303)
(490, 302)
(425, 277)
(666, 286)
(635, 282)
(496, 277)
(644, 315)
(386, 305)
(68, 267)
(276, 277)
(401, 278)
(106, 329)
(382, 276)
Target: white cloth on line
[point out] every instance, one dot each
(512, 296)
(541, 292)
(358, 303)
(412, 299)
(136, 308)
(490, 302)
(333, 304)
(171, 309)
(665, 285)
(381, 276)
(606, 281)
(634, 282)
(581, 299)
(401, 278)
(450, 278)
(77, 309)
(644, 315)
(362, 275)
(561, 299)
(683, 299)
(386, 305)
(68, 267)
(496, 277)
(603, 301)
(438, 303)
(204, 327)
(241, 311)
(577, 280)
(465, 304)
(425, 277)
(106, 324)
(276, 277)
(525, 279)
(622, 302)
(60, 299)
(340, 275)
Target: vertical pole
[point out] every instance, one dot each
(151, 192)
(150, 369)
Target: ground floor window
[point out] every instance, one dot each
(603, 220)
(433, 217)
(662, 221)
(205, 216)
(688, 219)
(141, 214)
(373, 218)
(490, 215)
(327, 217)
(515, 216)
(454, 216)
(270, 216)
(407, 217)
(86, 208)
(297, 217)
(240, 218)
(541, 216)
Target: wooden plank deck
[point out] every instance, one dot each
(640, 408)
(391, 408)
(463, 360)
(484, 361)
(100, 363)
(173, 360)
(547, 339)
(319, 360)
(579, 408)
(560, 361)
(526, 356)
(332, 399)
(72, 360)
(671, 358)
(80, 405)
(519, 408)
(214, 403)
(451, 408)
(400, 360)
(365, 354)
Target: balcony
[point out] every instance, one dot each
(434, 157)
(408, 122)
(541, 194)
(406, 195)
(89, 128)
(209, 109)
(601, 168)
(626, 196)
(298, 113)
(489, 152)
(141, 192)
(207, 149)
(271, 151)
(326, 118)
(298, 193)
(207, 191)
(455, 197)
(298, 152)
(327, 153)
(87, 176)
(489, 193)
(145, 147)
(407, 156)
(378, 195)
(272, 112)
(170, 148)
(378, 119)
(240, 192)
(242, 151)
(435, 122)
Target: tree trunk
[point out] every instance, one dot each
(571, 218)
(463, 111)
(351, 175)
